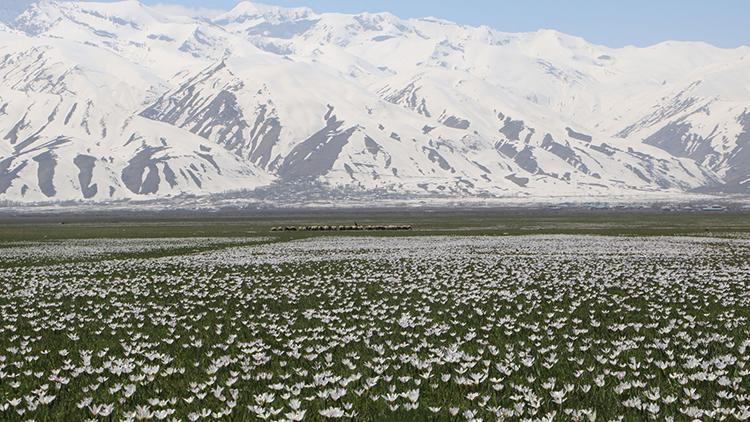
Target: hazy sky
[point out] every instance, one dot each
(615, 23)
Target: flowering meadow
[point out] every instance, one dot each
(558, 327)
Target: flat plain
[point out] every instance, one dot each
(474, 315)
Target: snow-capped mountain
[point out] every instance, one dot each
(109, 101)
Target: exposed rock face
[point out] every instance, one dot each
(316, 155)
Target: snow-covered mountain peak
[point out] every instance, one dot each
(251, 11)
(121, 100)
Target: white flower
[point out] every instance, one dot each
(143, 412)
(264, 398)
(294, 404)
(558, 397)
(83, 403)
(296, 415)
(653, 408)
(332, 413)
(44, 399)
(103, 410)
(412, 395)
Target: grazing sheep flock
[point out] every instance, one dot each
(376, 328)
(354, 228)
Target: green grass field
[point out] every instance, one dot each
(478, 315)
(427, 221)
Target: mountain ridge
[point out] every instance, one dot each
(141, 104)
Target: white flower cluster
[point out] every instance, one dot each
(15, 254)
(401, 328)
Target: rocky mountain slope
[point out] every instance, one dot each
(111, 101)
